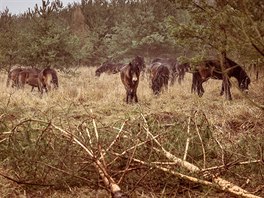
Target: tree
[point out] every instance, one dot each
(49, 40)
(222, 26)
(8, 40)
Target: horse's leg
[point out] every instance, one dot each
(127, 96)
(199, 86)
(194, 83)
(180, 78)
(228, 92)
(222, 89)
(200, 89)
(32, 88)
(166, 84)
(173, 76)
(226, 88)
(8, 81)
(135, 96)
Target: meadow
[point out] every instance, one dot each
(38, 160)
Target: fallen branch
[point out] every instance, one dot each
(107, 179)
(217, 181)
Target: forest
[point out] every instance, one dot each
(95, 31)
(83, 140)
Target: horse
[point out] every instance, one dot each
(159, 76)
(47, 77)
(109, 67)
(13, 77)
(130, 77)
(212, 69)
(176, 70)
(29, 76)
(16, 74)
(171, 64)
(181, 70)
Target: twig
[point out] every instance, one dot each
(233, 164)
(63, 171)
(23, 182)
(223, 153)
(199, 135)
(131, 148)
(116, 138)
(127, 165)
(187, 140)
(193, 179)
(95, 129)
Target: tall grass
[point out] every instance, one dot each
(35, 153)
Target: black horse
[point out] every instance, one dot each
(130, 77)
(212, 69)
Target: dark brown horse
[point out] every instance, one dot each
(29, 76)
(18, 76)
(109, 67)
(159, 76)
(212, 69)
(130, 78)
(176, 70)
(171, 63)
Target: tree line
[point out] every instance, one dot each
(93, 31)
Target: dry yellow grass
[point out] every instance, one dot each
(81, 93)
(105, 96)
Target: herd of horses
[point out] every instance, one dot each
(163, 70)
(42, 79)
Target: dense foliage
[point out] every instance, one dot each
(96, 30)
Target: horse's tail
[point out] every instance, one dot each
(55, 79)
(47, 78)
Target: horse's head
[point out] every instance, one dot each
(100, 70)
(134, 72)
(97, 73)
(139, 62)
(205, 71)
(244, 83)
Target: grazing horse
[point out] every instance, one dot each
(171, 64)
(130, 77)
(109, 67)
(13, 77)
(176, 70)
(212, 69)
(47, 77)
(159, 76)
(29, 76)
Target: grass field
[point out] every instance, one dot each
(237, 125)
